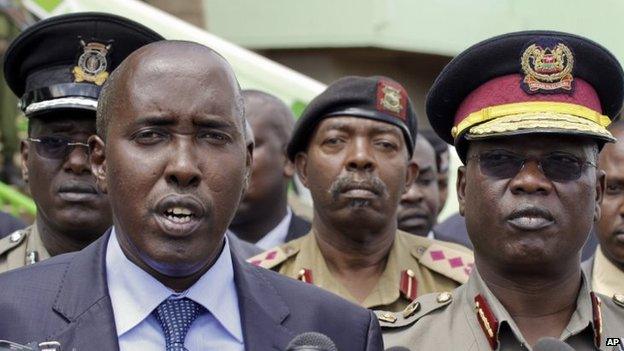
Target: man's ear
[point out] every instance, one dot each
(601, 185)
(461, 189)
(301, 163)
(248, 165)
(25, 152)
(410, 176)
(97, 158)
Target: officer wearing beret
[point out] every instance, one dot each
(351, 148)
(57, 68)
(527, 113)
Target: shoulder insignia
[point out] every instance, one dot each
(12, 240)
(273, 257)
(448, 261)
(419, 308)
(618, 299)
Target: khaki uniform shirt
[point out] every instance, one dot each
(415, 266)
(472, 318)
(606, 278)
(21, 248)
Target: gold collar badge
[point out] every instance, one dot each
(92, 63)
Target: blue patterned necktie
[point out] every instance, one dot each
(175, 317)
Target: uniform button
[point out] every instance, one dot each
(444, 297)
(15, 237)
(411, 309)
(618, 299)
(387, 317)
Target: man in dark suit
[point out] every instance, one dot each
(172, 156)
(264, 217)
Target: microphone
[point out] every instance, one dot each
(33, 346)
(551, 344)
(311, 341)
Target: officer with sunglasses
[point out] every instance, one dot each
(57, 68)
(527, 113)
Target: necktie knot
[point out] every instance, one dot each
(175, 317)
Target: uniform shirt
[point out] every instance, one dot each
(302, 259)
(135, 294)
(277, 235)
(607, 278)
(21, 248)
(454, 322)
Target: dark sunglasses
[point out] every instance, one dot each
(557, 166)
(55, 147)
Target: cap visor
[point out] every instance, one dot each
(546, 122)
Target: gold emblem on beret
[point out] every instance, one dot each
(547, 69)
(92, 63)
(391, 99)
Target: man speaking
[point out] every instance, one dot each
(171, 153)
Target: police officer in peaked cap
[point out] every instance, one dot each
(527, 113)
(57, 68)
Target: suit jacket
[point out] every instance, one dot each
(453, 229)
(66, 299)
(298, 227)
(241, 247)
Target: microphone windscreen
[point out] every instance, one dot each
(311, 341)
(551, 344)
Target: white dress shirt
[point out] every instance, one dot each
(135, 294)
(277, 236)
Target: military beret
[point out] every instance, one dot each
(377, 98)
(63, 61)
(524, 83)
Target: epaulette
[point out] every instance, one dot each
(12, 240)
(446, 260)
(272, 257)
(419, 308)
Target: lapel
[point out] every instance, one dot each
(83, 300)
(297, 228)
(262, 310)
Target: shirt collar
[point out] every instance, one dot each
(135, 293)
(581, 319)
(607, 278)
(277, 235)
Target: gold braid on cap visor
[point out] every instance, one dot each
(534, 114)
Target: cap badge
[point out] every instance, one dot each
(547, 68)
(92, 63)
(391, 98)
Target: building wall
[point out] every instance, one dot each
(413, 70)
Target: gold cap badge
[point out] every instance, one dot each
(547, 68)
(92, 63)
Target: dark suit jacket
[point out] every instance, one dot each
(66, 299)
(453, 229)
(298, 227)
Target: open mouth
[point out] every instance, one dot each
(179, 215)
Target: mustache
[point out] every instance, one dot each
(348, 182)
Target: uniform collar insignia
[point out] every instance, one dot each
(597, 318)
(93, 63)
(547, 67)
(408, 284)
(487, 321)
